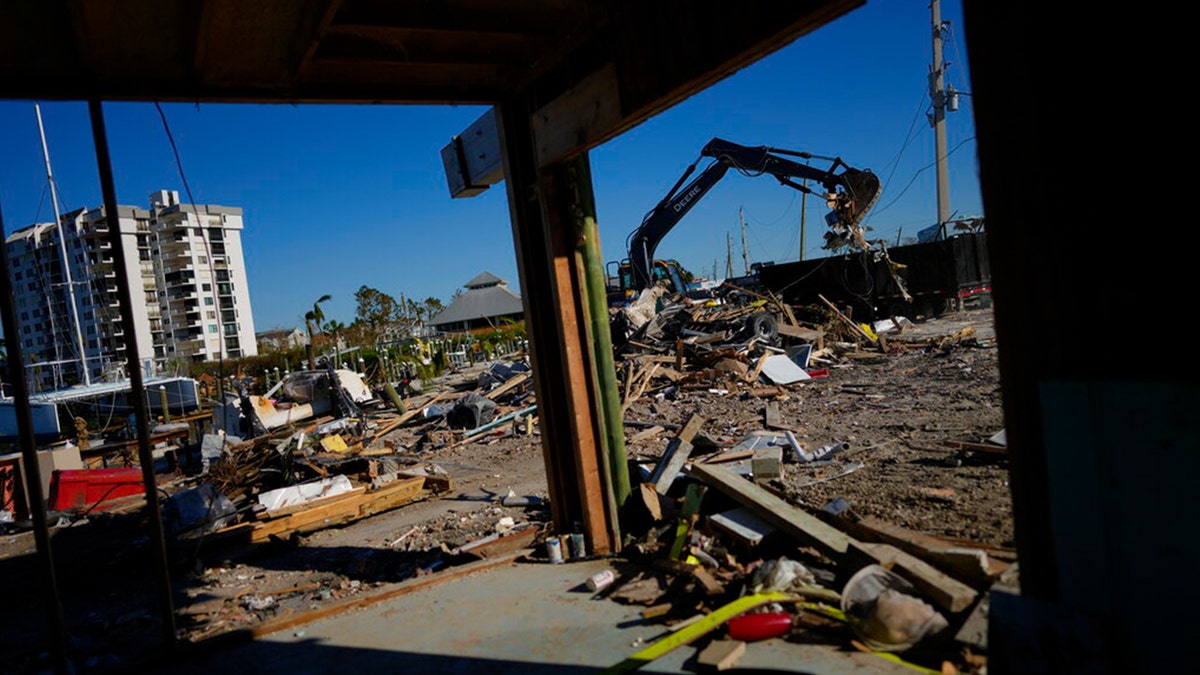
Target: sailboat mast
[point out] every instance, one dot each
(62, 244)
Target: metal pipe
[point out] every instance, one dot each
(137, 389)
(33, 479)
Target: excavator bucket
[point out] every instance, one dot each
(862, 188)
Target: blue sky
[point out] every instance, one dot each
(337, 197)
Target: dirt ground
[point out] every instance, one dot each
(898, 414)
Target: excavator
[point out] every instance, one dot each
(849, 193)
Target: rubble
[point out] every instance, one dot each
(716, 535)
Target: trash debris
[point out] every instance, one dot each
(885, 612)
(298, 494)
(780, 575)
(201, 506)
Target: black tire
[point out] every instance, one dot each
(763, 326)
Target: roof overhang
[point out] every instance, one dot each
(635, 57)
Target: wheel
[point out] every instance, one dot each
(763, 326)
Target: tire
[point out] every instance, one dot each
(763, 326)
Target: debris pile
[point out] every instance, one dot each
(725, 539)
(715, 552)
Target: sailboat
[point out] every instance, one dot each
(55, 413)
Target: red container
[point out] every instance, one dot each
(751, 627)
(83, 488)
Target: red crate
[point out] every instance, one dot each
(83, 488)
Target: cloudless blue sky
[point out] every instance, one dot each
(337, 197)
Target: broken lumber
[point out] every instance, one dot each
(752, 376)
(646, 434)
(969, 565)
(845, 319)
(679, 449)
(789, 519)
(513, 382)
(337, 510)
(721, 654)
(396, 423)
(674, 457)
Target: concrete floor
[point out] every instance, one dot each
(513, 618)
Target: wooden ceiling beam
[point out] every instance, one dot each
(539, 17)
(650, 69)
(381, 43)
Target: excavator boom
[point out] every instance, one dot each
(850, 193)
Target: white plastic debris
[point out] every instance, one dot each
(884, 611)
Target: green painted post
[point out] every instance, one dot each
(606, 371)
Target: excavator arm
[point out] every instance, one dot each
(849, 193)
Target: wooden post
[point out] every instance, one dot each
(556, 317)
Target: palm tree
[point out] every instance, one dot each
(312, 322)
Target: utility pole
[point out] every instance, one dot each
(728, 256)
(941, 99)
(803, 212)
(745, 252)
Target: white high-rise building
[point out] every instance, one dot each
(186, 273)
(201, 279)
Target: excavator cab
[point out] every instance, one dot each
(621, 289)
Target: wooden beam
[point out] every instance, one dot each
(805, 528)
(557, 322)
(563, 126)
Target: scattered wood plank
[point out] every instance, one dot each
(752, 376)
(789, 519)
(644, 376)
(801, 333)
(721, 654)
(679, 449)
(676, 455)
(846, 320)
(399, 421)
(337, 510)
(650, 500)
(969, 565)
(512, 383)
(691, 428)
(728, 457)
(645, 434)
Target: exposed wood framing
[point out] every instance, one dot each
(557, 325)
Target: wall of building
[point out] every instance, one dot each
(181, 289)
